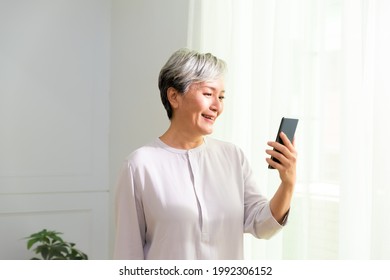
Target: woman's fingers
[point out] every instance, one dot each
(286, 155)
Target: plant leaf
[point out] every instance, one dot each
(31, 243)
(52, 246)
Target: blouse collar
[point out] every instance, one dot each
(181, 151)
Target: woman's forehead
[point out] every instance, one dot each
(215, 85)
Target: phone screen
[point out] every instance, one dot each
(288, 126)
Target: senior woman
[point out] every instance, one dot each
(188, 196)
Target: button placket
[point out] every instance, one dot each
(202, 209)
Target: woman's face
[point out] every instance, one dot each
(198, 109)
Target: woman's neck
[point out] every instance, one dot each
(180, 139)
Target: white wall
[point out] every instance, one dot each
(78, 92)
(54, 91)
(144, 34)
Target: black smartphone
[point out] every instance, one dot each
(288, 126)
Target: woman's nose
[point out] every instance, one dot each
(217, 105)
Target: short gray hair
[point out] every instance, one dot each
(185, 67)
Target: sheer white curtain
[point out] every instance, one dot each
(326, 63)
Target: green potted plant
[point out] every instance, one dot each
(50, 246)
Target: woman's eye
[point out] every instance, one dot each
(221, 98)
(207, 94)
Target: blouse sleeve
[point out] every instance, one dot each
(129, 219)
(258, 219)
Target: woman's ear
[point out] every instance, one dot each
(173, 95)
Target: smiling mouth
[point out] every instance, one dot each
(208, 117)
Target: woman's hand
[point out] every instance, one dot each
(287, 157)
